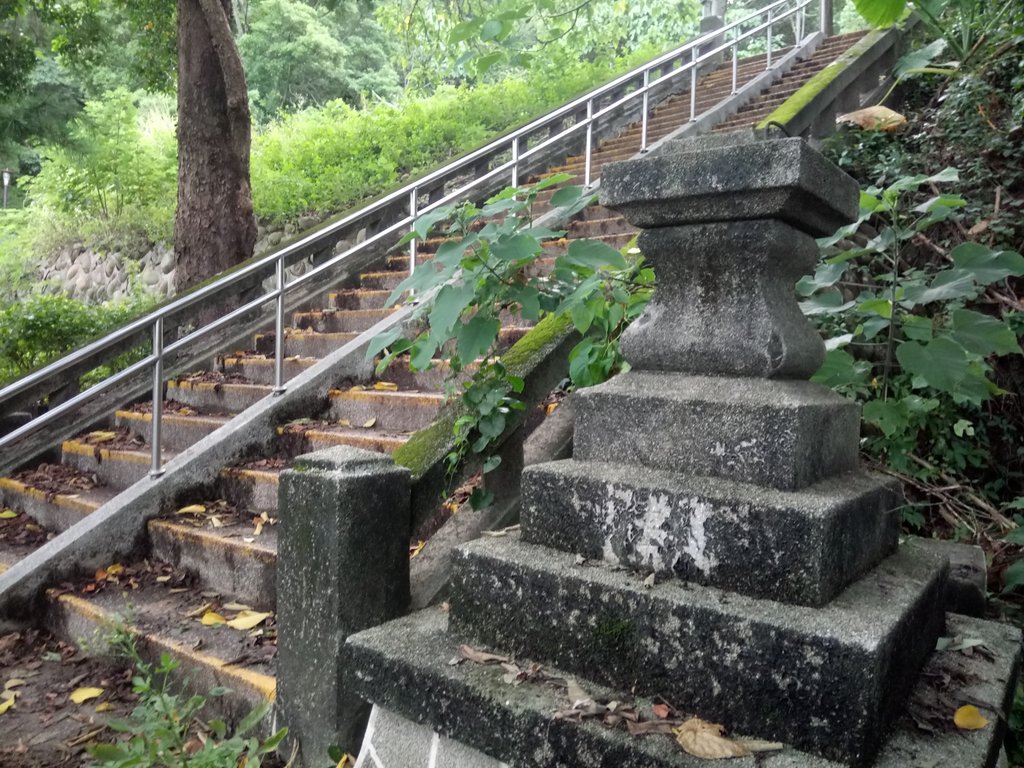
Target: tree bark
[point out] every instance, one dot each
(215, 227)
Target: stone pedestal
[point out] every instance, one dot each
(713, 540)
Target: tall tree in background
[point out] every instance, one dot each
(214, 227)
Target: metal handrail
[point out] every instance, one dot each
(515, 142)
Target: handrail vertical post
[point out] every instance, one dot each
(643, 125)
(826, 18)
(279, 387)
(768, 64)
(693, 86)
(156, 468)
(590, 142)
(735, 67)
(515, 161)
(413, 211)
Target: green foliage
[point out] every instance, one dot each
(161, 730)
(41, 327)
(910, 338)
(488, 269)
(297, 55)
(110, 173)
(328, 159)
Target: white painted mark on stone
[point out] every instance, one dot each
(434, 742)
(697, 540)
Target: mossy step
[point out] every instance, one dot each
(177, 432)
(209, 656)
(250, 488)
(260, 369)
(396, 411)
(230, 559)
(305, 342)
(216, 396)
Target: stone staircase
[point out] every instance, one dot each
(214, 552)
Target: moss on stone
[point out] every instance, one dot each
(613, 636)
(795, 104)
(524, 355)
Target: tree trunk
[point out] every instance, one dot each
(214, 228)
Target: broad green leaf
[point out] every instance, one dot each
(917, 328)
(427, 221)
(463, 31)
(888, 415)
(880, 307)
(841, 370)
(476, 337)
(941, 363)
(448, 305)
(947, 285)
(826, 302)
(529, 299)
(922, 57)
(491, 463)
(490, 30)
(594, 254)
(825, 276)
(983, 334)
(515, 248)
(1013, 576)
(1016, 536)
(874, 326)
(484, 63)
(566, 196)
(985, 265)
(421, 355)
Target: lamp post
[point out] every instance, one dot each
(7, 182)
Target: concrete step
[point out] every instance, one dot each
(20, 535)
(370, 439)
(304, 343)
(358, 298)
(341, 320)
(383, 280)
(228, 558)
(209, 656)
(216, 396)
(400, 411)
(58, 510)
(250, 487)
(177, 432)
(259, 369)
(115, 467)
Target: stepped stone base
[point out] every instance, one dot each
(795, 547)
(782, 434)
(836, 674)
(404, 667)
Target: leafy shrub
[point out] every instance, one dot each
(42, 327)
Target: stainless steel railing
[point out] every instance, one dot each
(584, 114)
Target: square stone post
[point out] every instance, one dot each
(343, 566)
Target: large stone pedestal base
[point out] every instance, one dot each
(404, 667)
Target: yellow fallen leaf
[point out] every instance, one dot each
(233, 606)
(192, 509)
(8, 514)
(162, 579)
(6, 694)
(416, 548)
(14, 682)
(369, 424)
(344, 423)
(115, 569)
(705, 740)
(248, 619)
(106, 706)
(877, 118)
(550, 408)
(212, 619)
(5, 705)
(102, 437)
(82, 695)
(969, 718)
(387, 386)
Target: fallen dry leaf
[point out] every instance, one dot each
(82, 695)
(369, 423)
(387, 386)
(969, 718)
(705, 740)
(575, 691)
(416, 548)
(106, 706)
(6, 705)
(235, 606)
(661, 710)
(102, 437)
(875, 118)
(212, 619)
(8, 514)
(192, 509)
(248, 619)
(470, 653)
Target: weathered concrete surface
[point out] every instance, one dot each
(404, 666)
(705, 181)
(827, 680)
(967, 591)
(343, 566)
(802, 547)
(724, 304)
(782, 434)
(393, 742)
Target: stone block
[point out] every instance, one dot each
(781, 434)
(827, 680)
(404, 666)
(704, 181)
(725, 305)
(795, 547)
(343, 566)
(967, 592)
